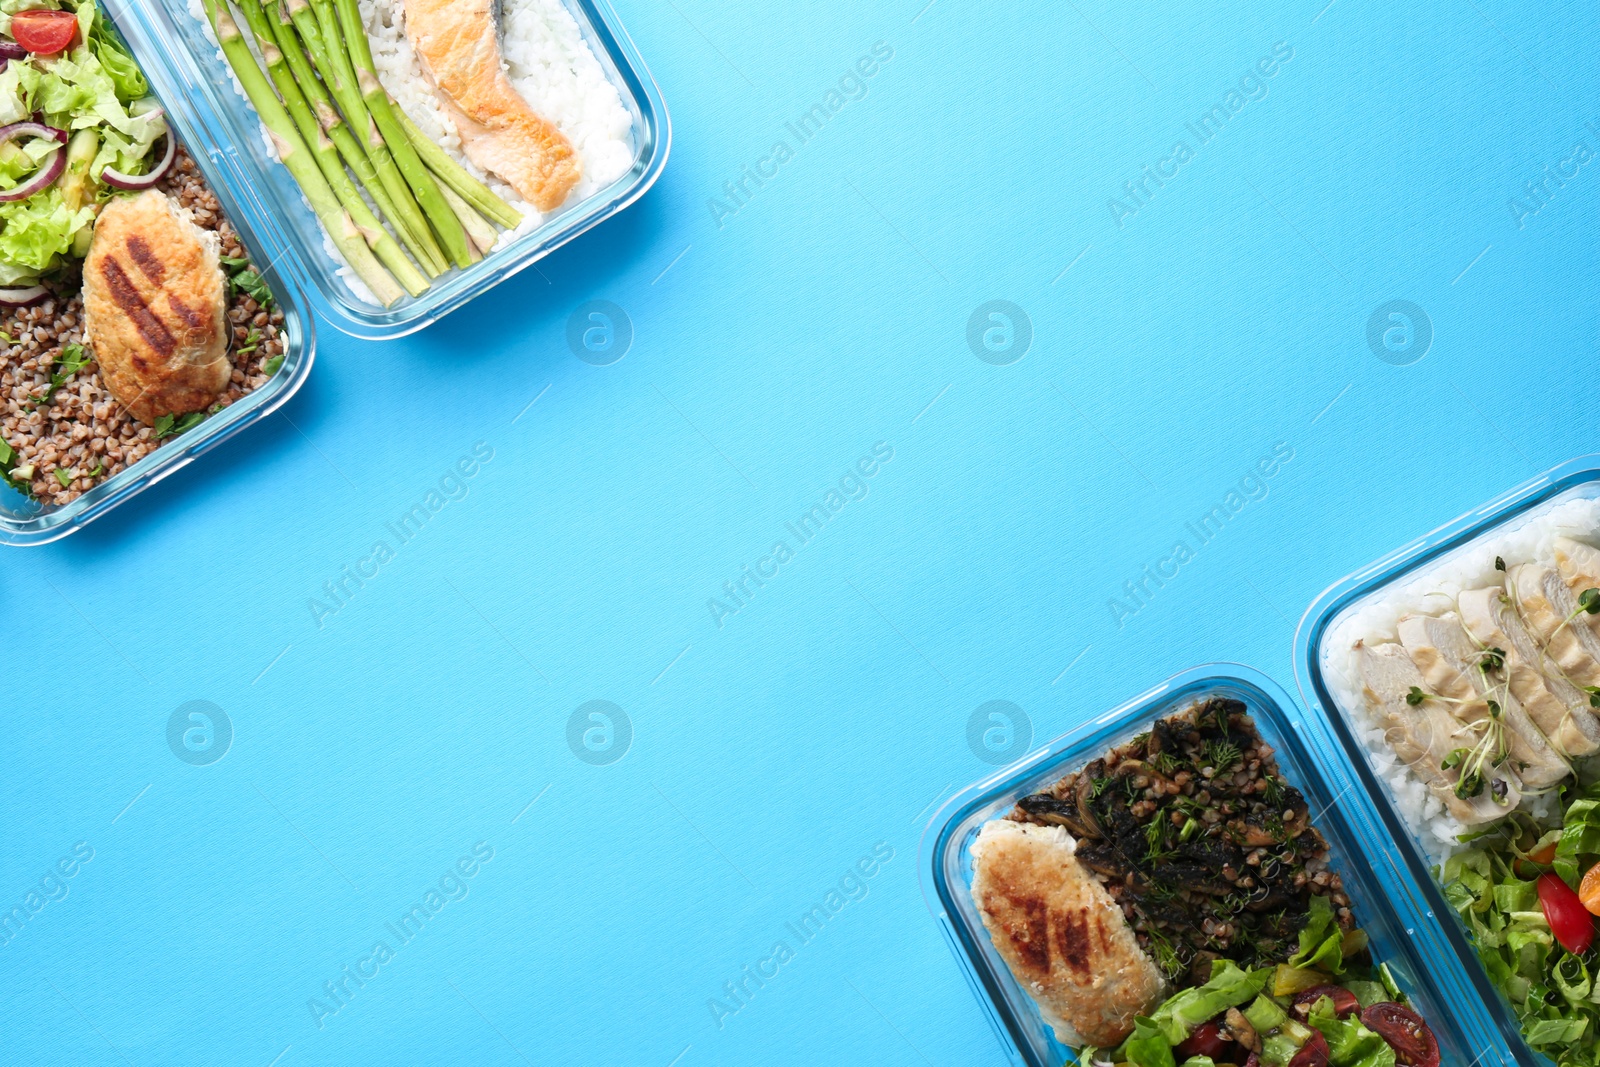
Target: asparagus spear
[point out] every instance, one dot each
(454, 175)
(381, 242)
(327, 114)
(320, 32)
(479, 230)
(293, 154)
(451, 234)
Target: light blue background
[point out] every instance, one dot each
(830, 713)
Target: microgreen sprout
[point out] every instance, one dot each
(1491, 750)
(1588, 604)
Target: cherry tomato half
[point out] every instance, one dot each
(1569, 920)
(44, 32)
(1206, 1039)
(1413, 1043)
(1314, 1053)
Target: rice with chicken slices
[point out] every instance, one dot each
(1432, 588)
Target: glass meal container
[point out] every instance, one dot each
(1413, 951)
(1350, 608)
(25, 521)
(184, 66)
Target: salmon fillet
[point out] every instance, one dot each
(500, 132)
(1062, 935)
(155, 308)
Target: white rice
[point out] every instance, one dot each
(549, 64)
(1374, 619)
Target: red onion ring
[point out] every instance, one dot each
(12, 50)
(18, 298)
(41, 179)
(36, 129)
(118, 180)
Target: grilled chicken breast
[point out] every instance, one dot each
(1559, 708)
(1062, 935)
(457, 43)
(155, 306)
(1546, 604)
(1424, 734)
(1449, 660)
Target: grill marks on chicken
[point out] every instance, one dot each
(1060, 933)
(155, 305)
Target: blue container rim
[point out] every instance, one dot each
(1331, 730)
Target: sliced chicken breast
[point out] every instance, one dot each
(1423, 735)
(1559, 708)
(1449, 660)
(1062, 935)
(1546, 604)
(1579, 565)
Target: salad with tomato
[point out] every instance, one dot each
(1528, 891)
(1327, 1006)
(77, 126)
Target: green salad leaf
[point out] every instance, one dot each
(1228, 987)
(1552, 992)
(1147, 1046)
(115, 58)
(1321, 940)
(39, 229)
(1580, 834)
(95, 86)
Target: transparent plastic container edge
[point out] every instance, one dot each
(23, 521)
(171, 46)
(1419, 959)
(1330, 735)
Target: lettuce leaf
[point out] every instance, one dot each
(1553, 993)
(1350, 1043)
(1321, 940)
(1228, 987)
(1580, 834)
(114, 57)
(1147, 1046)
(39, 229)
